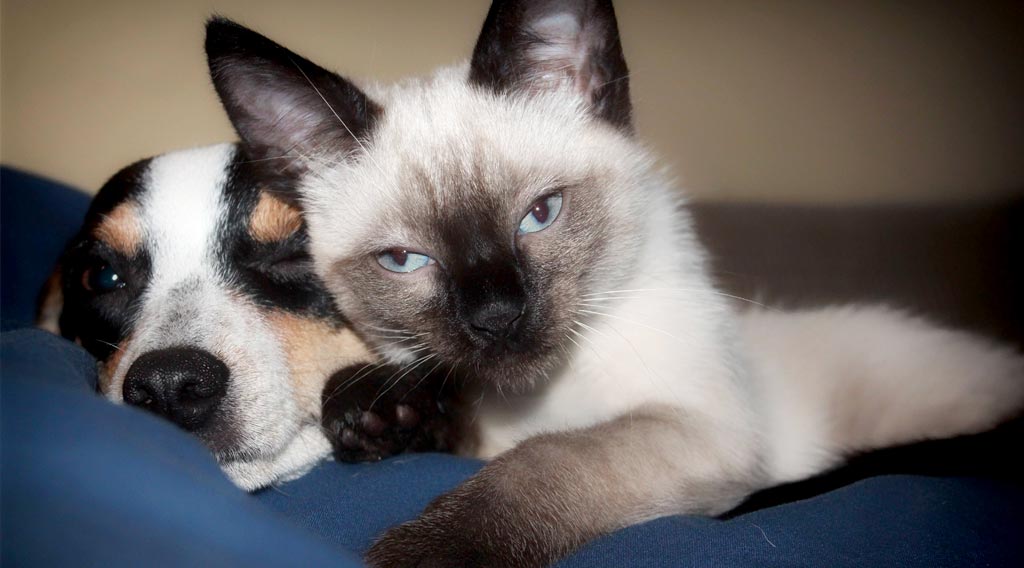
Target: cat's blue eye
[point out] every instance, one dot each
(401, 260)
(102, 278)
(543, 212)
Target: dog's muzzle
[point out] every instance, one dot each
(183, 384)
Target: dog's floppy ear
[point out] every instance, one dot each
(286, 109)
(51, 303)
(529, 46)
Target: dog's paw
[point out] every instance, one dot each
(371, 414)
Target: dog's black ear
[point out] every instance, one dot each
(530, 46)
(50, 303)
(286, 109)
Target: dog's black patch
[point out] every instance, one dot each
(275, 274)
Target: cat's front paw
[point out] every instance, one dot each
(476, 525)
(424, 544)
(451, 539)
(373, 413)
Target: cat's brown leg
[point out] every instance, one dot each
(554, 492)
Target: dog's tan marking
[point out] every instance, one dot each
(108, 368)
(273, 219)
(315, 350)
(51, 303)
(121, 229)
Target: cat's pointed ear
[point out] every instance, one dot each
(285, 108)
(543, 44)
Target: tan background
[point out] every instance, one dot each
(769, 100)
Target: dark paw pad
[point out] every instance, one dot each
(368, 416)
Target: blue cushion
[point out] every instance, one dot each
(37, 218)
(85, 482)
(89, 483)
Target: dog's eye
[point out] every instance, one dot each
(102, 278)
(283, 259)
(296, 264)
(542, 213)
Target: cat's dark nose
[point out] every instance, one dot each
(183, 384)
(497, 320)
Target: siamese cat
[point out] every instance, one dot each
(501, 220)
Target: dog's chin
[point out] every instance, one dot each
(298, 456)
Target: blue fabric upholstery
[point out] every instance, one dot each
(89, 483)
(37, 218)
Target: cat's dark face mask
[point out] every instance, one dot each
(495, 291)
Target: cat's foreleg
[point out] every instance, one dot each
(554, 492)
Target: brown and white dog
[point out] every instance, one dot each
(190, 283)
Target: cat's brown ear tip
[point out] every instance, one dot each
(582, 49)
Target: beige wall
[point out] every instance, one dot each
(772, 100)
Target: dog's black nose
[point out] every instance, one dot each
(182, 384)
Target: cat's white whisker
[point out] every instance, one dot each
(633, 322)
(478, 404)
(412, 368)
(365, 371)
(611, 294)
(381, 350)
(451, 369)
(390, 329)
(578, 346)
(115, 346)
(398, 337)
(387, 383)
(336, 115)
(591, 329)
(423, 378)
